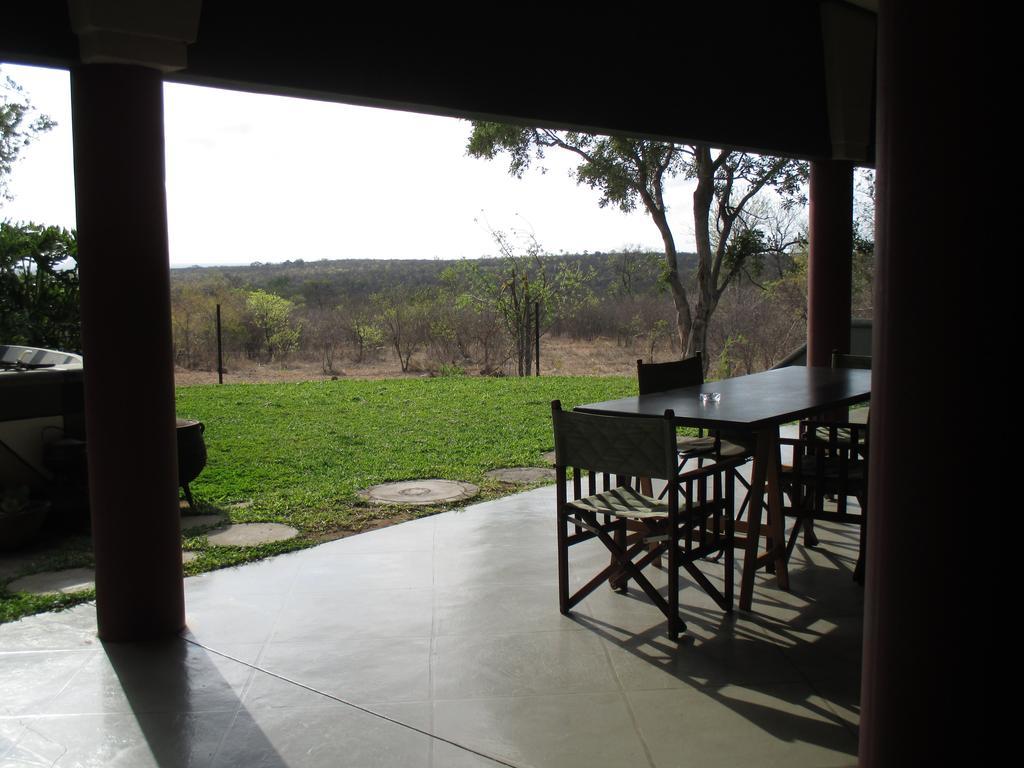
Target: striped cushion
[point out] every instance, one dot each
(842, 435)
(831, 469)
(622, 502)
(695, 446)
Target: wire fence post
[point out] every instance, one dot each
(220, 352)
(536, 330)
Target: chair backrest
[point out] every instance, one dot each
(843, 360)
(621, 445)
(658, 377)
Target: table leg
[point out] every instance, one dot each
(764, 479)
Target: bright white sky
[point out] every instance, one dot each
(267, 178)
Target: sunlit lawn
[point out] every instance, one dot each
(301, 452)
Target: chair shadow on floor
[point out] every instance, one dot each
(790, 667)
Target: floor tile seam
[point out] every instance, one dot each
(853, 730)
(68, 682)
(715, 681)
(525, 633)
(837, 715)
(634, 721)
(613, 690)
(358, 591)
(131, 711)
(274, 641)
(510, 635)
(350, 704)
(215, 754)
(51, 651)
(266, 640)
(609, 692)
(432, 652)
(27, 728)
(498, 582)
(806, 680)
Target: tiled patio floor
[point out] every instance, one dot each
(438, 642)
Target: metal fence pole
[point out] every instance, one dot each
(536, 330)
(220, 353)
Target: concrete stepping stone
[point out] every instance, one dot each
(188, 557)
(549, 457)
(191, 522)
(65, 582)
(420, 492)
(252, 534)
(522, 475)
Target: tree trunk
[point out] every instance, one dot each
(675, 284)
(699, 336)
(703, 197)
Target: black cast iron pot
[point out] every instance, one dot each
(191, 453)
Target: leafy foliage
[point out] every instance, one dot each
(39, 286)
(630, 172)
(270, 316)
(524, 289)
(19, 127)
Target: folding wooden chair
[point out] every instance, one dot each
(659, 377)
(830, 465)
(636, 528)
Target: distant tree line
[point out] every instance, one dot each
(467, 316)
(480, 316)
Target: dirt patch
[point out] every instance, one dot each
(559, 357)
(370, 525)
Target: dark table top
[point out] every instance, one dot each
(750, 402)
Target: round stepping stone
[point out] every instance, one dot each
(252, 534)
(521, 475)
(191, 522)
(549, 457)
(420, 492)
(188, 557)
(55, 582)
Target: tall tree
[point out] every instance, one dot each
(19, 126)
(630, 172)
(522, 279)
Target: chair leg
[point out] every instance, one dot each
(798, 523)
(676, 626)
(858, 570)
(563, 564)
(810, 539)
(730, 546)
(619, 582)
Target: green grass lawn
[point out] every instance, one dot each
(299, 453)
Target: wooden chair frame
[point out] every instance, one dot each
(830, 461)
(688, 372)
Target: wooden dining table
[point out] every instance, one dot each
(756, 405)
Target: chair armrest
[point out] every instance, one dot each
(709, 469)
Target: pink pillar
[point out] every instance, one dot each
(918, 624)
(126, 338)
(830, 265)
